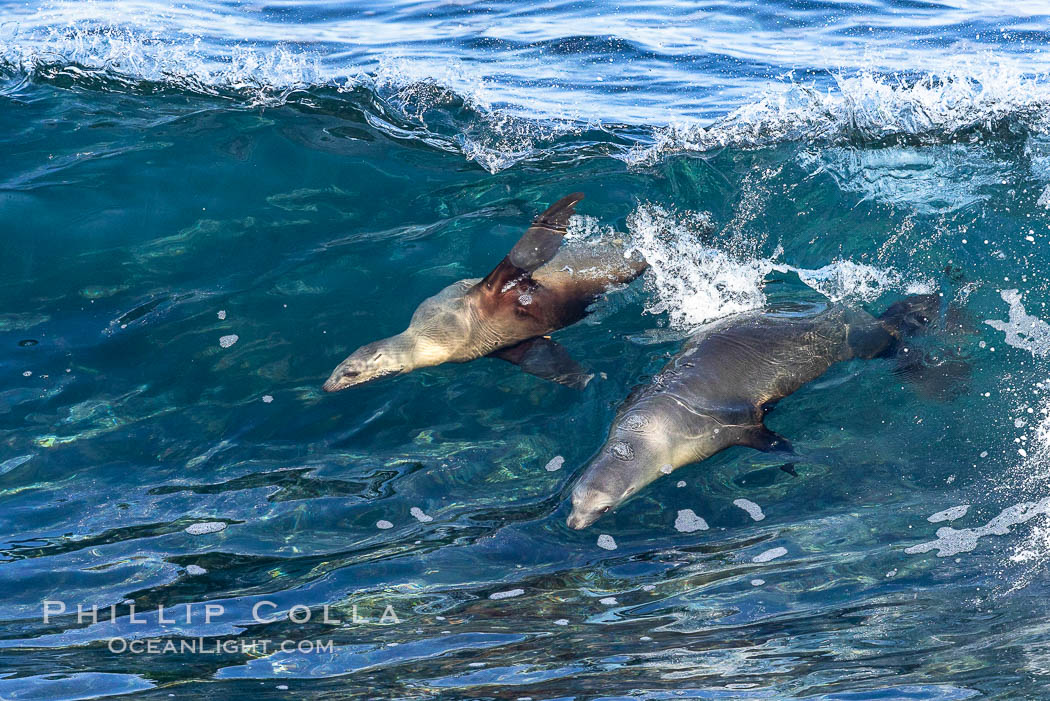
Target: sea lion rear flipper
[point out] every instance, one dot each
(548, 359)
(761, 438)
(537, 245)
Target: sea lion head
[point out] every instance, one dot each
(629, 460)
(389, 356)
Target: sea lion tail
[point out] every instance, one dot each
(935, 371)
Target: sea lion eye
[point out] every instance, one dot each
(606, 509)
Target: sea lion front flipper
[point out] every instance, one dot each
(761, 438)
(537, 245)
(548, 359)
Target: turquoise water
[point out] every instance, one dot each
(301, 176)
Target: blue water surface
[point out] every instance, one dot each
(205, 206)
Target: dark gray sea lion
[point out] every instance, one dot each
(535, 290)
(716, 391)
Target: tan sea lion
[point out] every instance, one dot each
(535, 290)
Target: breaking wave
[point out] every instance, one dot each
(498, 121)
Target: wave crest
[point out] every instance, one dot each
(868, 107)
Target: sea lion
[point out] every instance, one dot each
(716, 391)
(535, 290)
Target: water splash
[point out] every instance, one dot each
(694, 283)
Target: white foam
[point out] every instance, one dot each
(606, 542)
(757, 582)
(195, 570)
(951, 541)
(229, 340)
(688, 522)
(844, 279)
(771, 554)
(205, 527)
(383, 524)
(509, 594)
(419, 515)
(1023, 330)
(555, 464)
(691, 282)
(608, 601)
(864, 105)
(949, 514)
(694, 283)
(753, 510)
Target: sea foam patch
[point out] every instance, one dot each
(687, 522)
(951, 541)
(753, 510)
(1023, 330)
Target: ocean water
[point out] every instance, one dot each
(205, 206)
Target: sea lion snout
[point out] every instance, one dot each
(578, 521)
(339, 381)
(599, 491)
(588, 506)
(370, 362)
